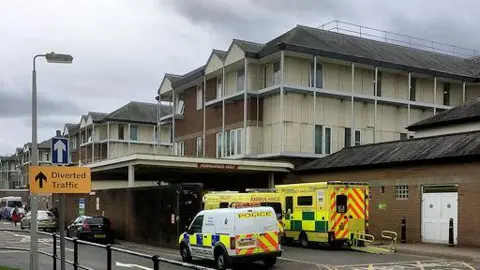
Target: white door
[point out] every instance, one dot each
(437, 209)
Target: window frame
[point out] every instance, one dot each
(242, 88)
(318, 144)
(122, 128)
(402, 192)
(276, 75)
(190, 228)
(199, 97)
(219, 87)
(355, 141)
(199, 146)
(413, 89)
(345, 209)
(219, 146)
(446, 94)
(135, 127)
(325, 140)
(311, 74)
(180, 148)
(308, 197)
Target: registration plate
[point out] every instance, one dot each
(246, 243)
(99, 235)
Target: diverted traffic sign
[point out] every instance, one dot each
(50, 179)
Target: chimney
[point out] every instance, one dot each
(59, 133)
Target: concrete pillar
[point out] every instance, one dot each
(271, 180)
(434, 95)
(463, 92)
(131, 176)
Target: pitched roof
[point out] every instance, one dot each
(97, 116)
(190, 76)
(452, 147)
(469, 112)
(249, 46)
(8, 158)
(72, 128)
(45, 144)
(173, 77)
(368, 51)
(138, 112)
(221, 54)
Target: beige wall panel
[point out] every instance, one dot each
(254, 140)
(166, 86)
(385, 116)
(213, 65)
(456, 94)
(255, 76)
(269, 75)
(439, 100)
(330, 76)
(235, 54)
(307, 138)
(230, 82)
(401, 119)
(345, 78)
(388, 85)
(118, 149)
(294, 137)
(145, 133)
(401, 86)
(425, 90)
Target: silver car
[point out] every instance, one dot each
(46, 221)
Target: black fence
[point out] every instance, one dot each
(156, 260)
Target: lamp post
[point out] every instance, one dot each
(51, 58)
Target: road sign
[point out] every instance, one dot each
(50, 179)
(60, 152)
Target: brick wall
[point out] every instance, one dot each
(192, 118)
(464, 175)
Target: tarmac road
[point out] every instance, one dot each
(293, 257)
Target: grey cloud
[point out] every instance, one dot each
(15, 104)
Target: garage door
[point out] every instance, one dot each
(437, 209)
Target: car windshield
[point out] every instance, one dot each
(45, 215)
(14, 204)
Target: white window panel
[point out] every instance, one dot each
(276, 73)
(199, 97)
(327, 136)
(219, 145)
(240, 80)
(319, 77)
(358, 137)
(199, 147)
(401, 192)
(219, 87)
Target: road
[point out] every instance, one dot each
(293, 257)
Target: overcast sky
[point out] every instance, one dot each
(122, 48)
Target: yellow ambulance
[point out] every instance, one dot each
(324, 212)
(232, 234)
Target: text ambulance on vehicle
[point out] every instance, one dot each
(232, 234)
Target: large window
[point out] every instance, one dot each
(121, 132)
(446, 94)
(199, 147)
(219, 145)
(413, 89)
(199, 97)
(133, 132)
(348, 137)
(219, 87)
(318, 78)
(341, 204)
(276, 73)
(240, 80)
(323, 140)
(180, 148)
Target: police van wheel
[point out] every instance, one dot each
(221, 260)
(269, 262)
(186, 256)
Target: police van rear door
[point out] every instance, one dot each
(246, 232)
(267, 228)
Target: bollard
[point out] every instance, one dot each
(109, 256)
(404, 231)
(156, 265)
(54, 253)
(75, 253)
(450, 233)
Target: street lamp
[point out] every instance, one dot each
(51, 58)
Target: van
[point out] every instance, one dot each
(230, 235)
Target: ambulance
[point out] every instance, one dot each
(333, 213)
(229, 235)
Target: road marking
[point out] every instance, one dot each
(12, 251)
(388, 263)
(420, 265)
(320, 266)
(131, 265)
(6, 223)
(468, 266)
(45, 241)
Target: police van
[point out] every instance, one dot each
(229, 235)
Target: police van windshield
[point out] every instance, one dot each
(276, 206)
(14, 204)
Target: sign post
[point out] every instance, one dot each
(60, 180)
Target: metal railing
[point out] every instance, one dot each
(392, 236)
(396, 38)
(155, 259)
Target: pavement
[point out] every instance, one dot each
(292, 258)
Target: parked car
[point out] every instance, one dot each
(91, 228)
(46, 221)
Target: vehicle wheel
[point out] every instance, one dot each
(21, 226)
(269, 262)
(186, 256)
(303, 240)
(221, 260)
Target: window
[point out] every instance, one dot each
(223, 205)
(155, 134)
(276, 206)
(358, 137)
(289, 204)
(403, 136)
(233, 142)
(199, 148)
(219, 144)
(47, 156)
(318, 139)
(219, 87)
(196, 226)
(89, 135)
(74, 142)
(328, 140)
(226, 144)
(121, 132)
(379, 84)
(305, 201)
(239, 142)
(133, 132)
(180, 148)
(240, 80)
(413, 89)
(401, 192)
(199, 97)
(348, 137)
(319, 78)
(341, 202)
(446, 94)
(276, 73)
